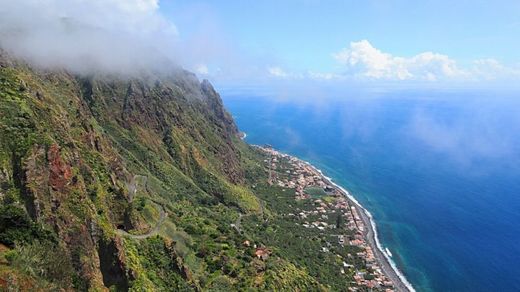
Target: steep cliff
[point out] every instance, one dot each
(124, 183)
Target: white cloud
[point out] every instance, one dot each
(491, 69)
(202, 69)
(322, 76)
(361, 59)
(278, 72)
(86, 35)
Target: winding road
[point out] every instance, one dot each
(132, 187)
(152, 231)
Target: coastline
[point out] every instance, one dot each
(387, 264)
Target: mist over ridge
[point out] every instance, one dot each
(113, 36)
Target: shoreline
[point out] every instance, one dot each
(388, 266)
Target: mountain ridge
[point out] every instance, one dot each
(70, 137)
(142, 183)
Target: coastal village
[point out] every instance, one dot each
(332, 214)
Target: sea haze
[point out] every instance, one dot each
(440, 172)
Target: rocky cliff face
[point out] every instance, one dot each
(83, 158)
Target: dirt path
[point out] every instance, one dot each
(132, 189)
(133, 184)
(152, 231)
(238, 223)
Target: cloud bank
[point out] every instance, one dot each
(88, 35)
(361, 61)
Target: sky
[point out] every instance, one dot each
(364, 40)
(237, 43)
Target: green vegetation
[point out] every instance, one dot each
(301, 246)
(17, 126)
(17, 227)
(43, 261)
(316, 192)
(81, 157)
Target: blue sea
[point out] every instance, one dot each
(439, 171)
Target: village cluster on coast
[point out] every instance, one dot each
(355, 231)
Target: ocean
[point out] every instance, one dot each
(439, 172)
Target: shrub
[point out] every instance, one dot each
(16, 226)
(42, 260)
